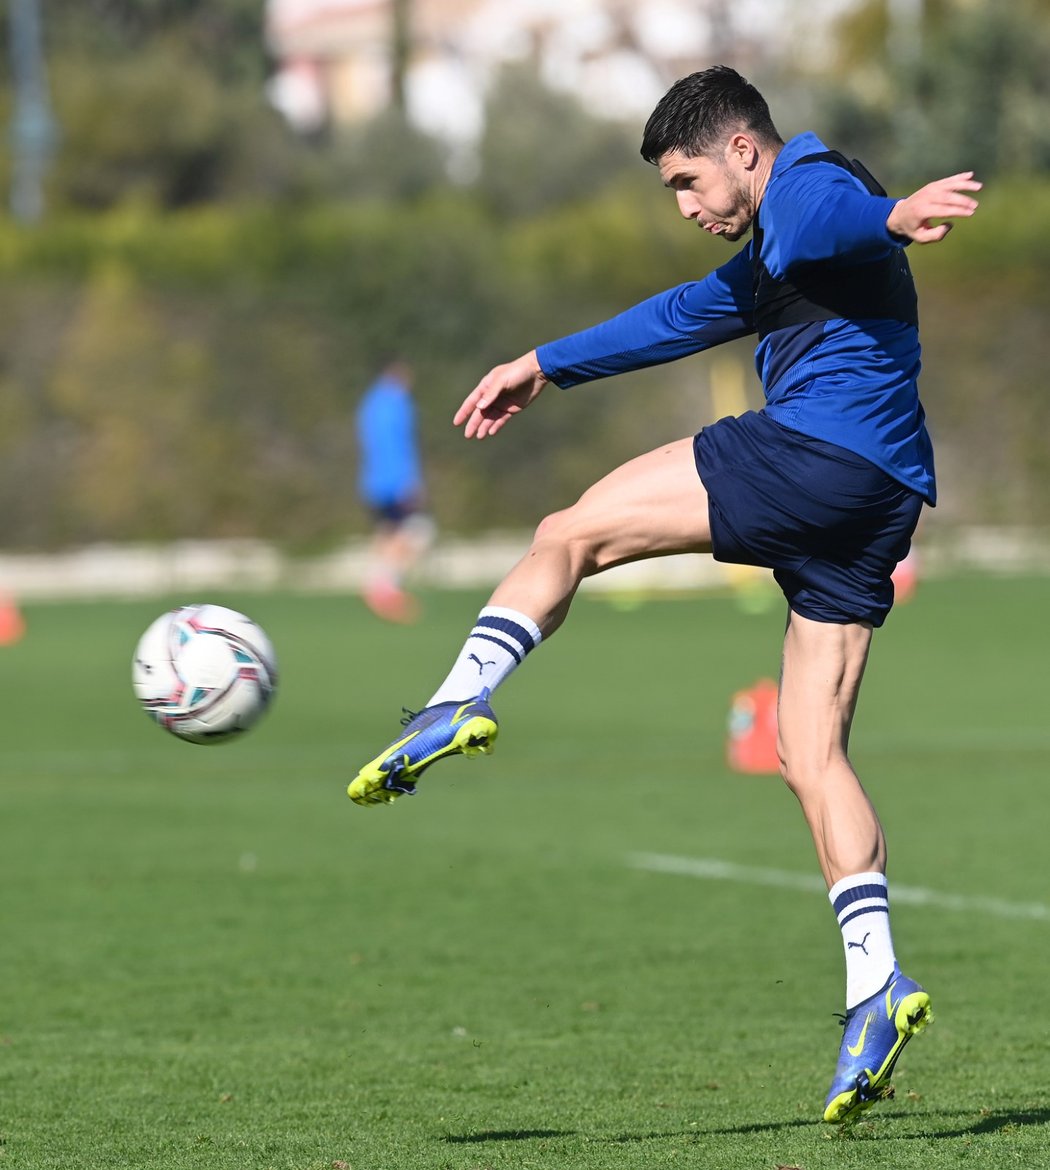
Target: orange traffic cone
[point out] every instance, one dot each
(752, 743)
(905, 578)
(12, 624)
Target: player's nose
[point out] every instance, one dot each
(688, 204)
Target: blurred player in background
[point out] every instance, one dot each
(390, 482)
(823, 485)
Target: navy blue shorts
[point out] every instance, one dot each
(831, 525)
(392, 511)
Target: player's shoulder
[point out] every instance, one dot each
(806, 166)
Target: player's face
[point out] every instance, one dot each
(711, 192)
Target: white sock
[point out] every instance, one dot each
(497, 645)
(862, 906)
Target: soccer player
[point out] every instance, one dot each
(390, 484)
(824, 485)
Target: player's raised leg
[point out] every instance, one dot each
(822, 670)
(654, 505)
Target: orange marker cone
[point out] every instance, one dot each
(12, 623)
(905, 578)
(752, 743)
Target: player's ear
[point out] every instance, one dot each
(742, 150)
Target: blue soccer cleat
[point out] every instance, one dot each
(876, 1031)
(446, 729)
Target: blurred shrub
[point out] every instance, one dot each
(949, 86)
(541, 149)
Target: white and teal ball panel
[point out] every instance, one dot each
(204, 672)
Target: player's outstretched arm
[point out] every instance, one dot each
(943, 199)
(503, 392)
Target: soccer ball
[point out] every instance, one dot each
(204, 672)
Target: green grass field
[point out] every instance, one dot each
(210, 958)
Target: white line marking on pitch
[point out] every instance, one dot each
(728, 871)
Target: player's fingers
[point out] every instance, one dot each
(964, 180)
(943, 211)
(954, 207)
(958, 198)
(480, 423)
(467, 407)
(468, 416)
(481, 397)
(479, 426)
(953, 199)
(929, 234)
(494, 420)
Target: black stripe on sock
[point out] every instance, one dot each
(512, 629)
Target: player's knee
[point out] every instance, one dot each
(801, 767)
(569, 529)
(792, 777)
(810, 770)
(787, 773)
(575, 534)
(549, 528)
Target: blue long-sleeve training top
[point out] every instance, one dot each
(852, 382)
(389, 470)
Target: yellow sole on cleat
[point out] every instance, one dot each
(368, 790)
(914, 1013)
(475, 737)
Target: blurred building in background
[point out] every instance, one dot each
(334, 59)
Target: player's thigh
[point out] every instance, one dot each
(821, 673)
(653, 505)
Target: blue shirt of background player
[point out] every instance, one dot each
(851, 383)
(390, 474)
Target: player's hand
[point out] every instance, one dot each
(911, 218)
(504, 392)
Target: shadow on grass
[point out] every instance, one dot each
(506, 1135)
(936, 1125)
(993, 1121)
(970, 1123)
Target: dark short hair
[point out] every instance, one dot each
(700, 111)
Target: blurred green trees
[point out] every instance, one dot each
(953, 86)
(184, 336)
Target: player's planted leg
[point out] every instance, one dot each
(823, 665)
